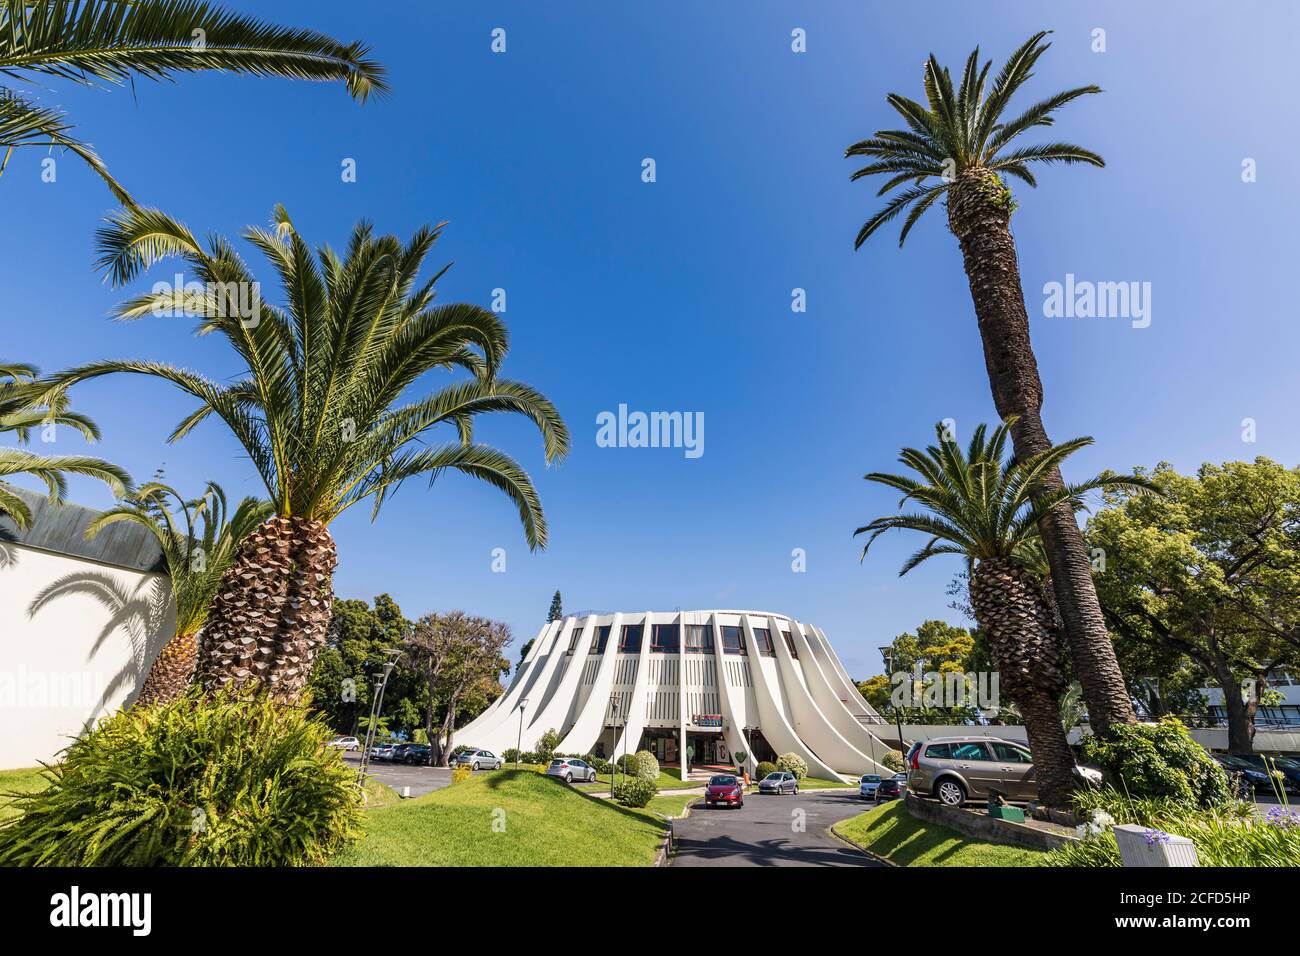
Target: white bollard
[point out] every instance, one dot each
(406, 792)
(1142, 846)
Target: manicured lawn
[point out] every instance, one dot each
(26, 780)
(817, 783)
(507, 818)
(667, 781)
(671, 804)
(890, 831)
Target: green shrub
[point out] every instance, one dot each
(510, 756)
(646, 766)
(546, 745)
(792, 763)
(195, 782)
(1228, 835)
(600, 766)
(627, 763)
(893, 760)
(634, 792)
(1159, 761)
(764, 768)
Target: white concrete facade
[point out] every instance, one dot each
(707, 684)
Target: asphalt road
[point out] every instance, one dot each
(421, 780)
(771, 831)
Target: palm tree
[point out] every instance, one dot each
(988, 510)
(21, 411)
(959, 147)
(199, 542)
(114, 41)
(321, 411)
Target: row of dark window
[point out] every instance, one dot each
(665, 639)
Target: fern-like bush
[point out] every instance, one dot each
(227, 781)
(792, 763)
(461, 773)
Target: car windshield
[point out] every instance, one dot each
(871, 778)
(722, 781)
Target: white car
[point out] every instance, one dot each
(344, 743)
(477, 760)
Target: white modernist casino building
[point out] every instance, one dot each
(707, 684)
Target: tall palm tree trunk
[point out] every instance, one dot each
(1010, 608)
(979, 215)
(271, 616)
(170, 672)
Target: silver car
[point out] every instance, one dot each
(477, 760)
(957, 769)
(779, 782)
(382, 751)
(868, 785)
(570, 769)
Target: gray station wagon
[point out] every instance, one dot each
(957, 769)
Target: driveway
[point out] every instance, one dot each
(421, 780)
(769, 831)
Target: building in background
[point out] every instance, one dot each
(707, 684)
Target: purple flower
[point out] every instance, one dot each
(1283, 817)
(1157, 836)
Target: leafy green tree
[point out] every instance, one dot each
(324, 410)
(1210, 571)
(983, 507)
(115, 41)
(198, 539)
(958, 146)
(23, 410)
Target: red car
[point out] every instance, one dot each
(724, 791)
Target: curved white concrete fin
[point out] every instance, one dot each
(590, 721)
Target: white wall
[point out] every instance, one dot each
(76, 639)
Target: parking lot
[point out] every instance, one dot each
(771, 831)
(421, 780)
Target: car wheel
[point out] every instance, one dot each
(475, 767)
(950, 792)
(568, 778)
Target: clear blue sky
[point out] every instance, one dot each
(676, 295)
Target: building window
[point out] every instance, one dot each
(663, 639)
(630, 641)
(763, 637)
(699, 639)
(573, 638)
(600, 639)
(733, 640)
(789, 643)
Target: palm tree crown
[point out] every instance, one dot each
(320, 409)
(979, 504)
(198, 538)
(112, 41)
(962, 131)
(21, 410)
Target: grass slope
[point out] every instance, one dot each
(26, 780)
(893, 833)
(507, 818)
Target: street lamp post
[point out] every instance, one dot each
(888, 654)
(613, 770)
(376, 707)
(519, 740)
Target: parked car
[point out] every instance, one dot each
(779, 782)
(344, 743)
(382, 751)
(957, 769)
(1244, 778)
(571, 769)
(477, 760)
(1263, 763)
(867, 785)
(724, 790)
(891, 788)
(413, 754)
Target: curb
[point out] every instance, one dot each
(669, 847)
(859, 847)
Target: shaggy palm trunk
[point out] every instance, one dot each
(1009, 606)
(170, 672)
(979, 215)
(273, 611)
